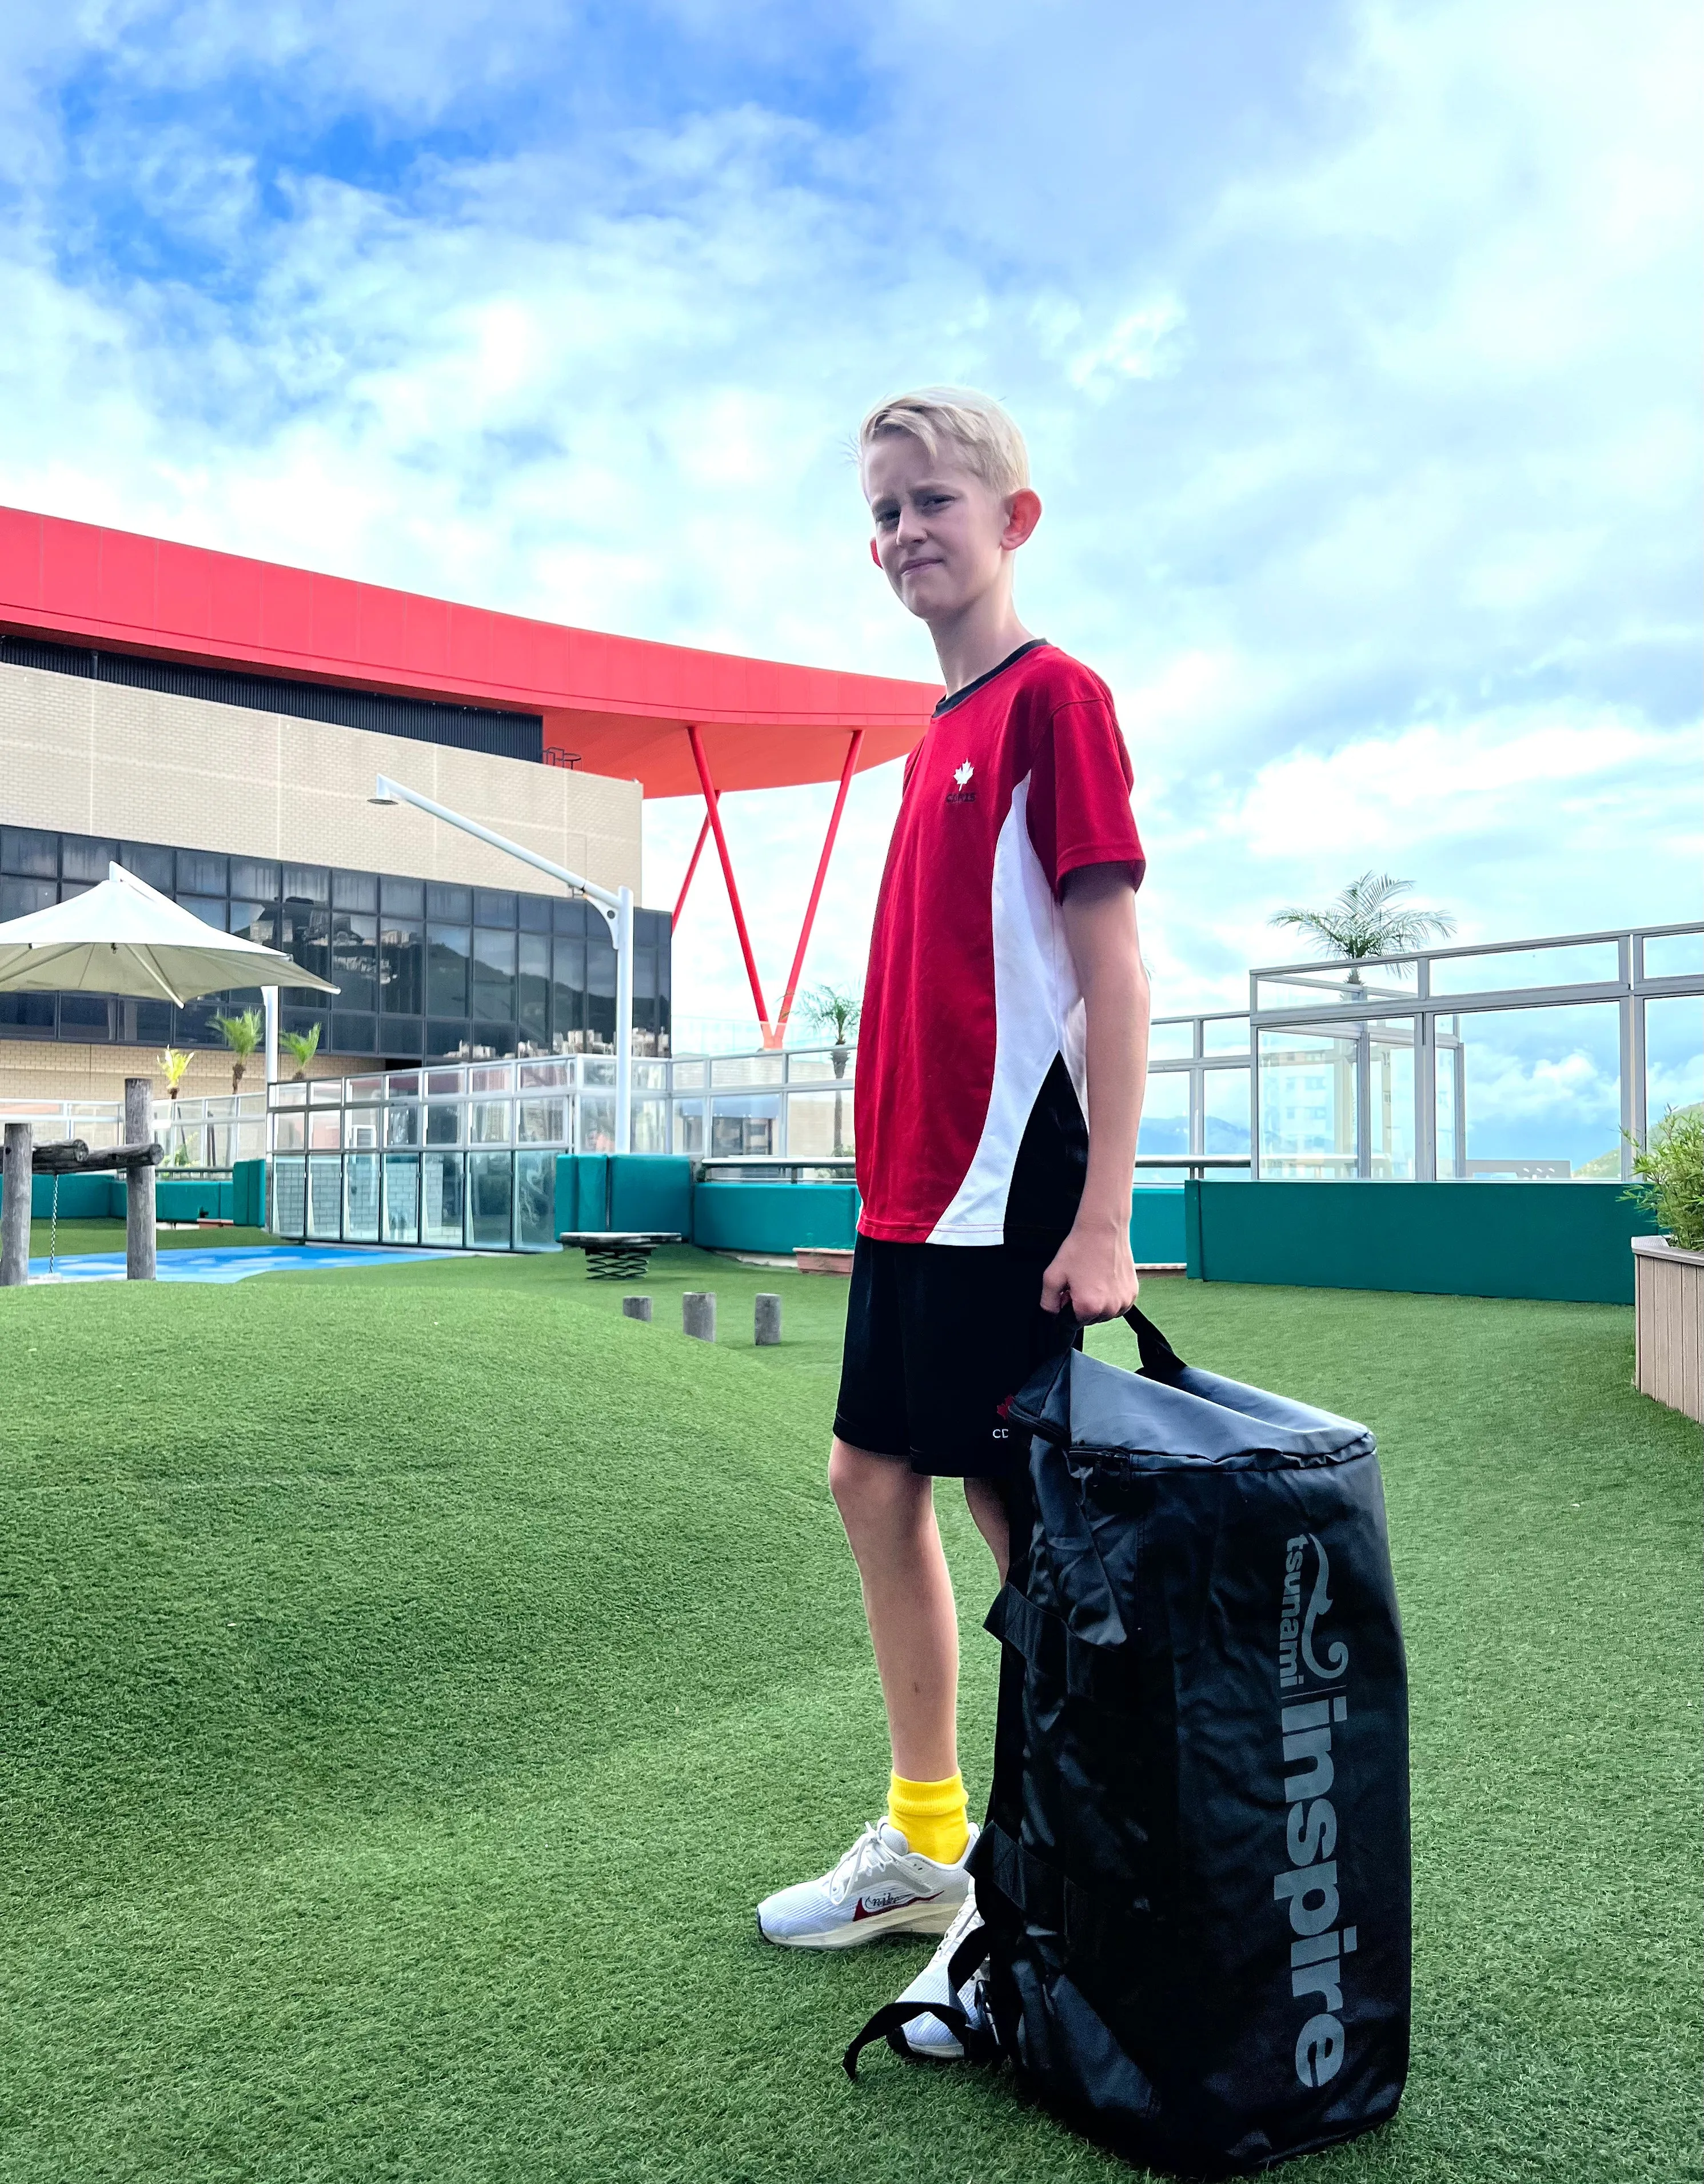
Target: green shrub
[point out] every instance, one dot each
(1671, 1176)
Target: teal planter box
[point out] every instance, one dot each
(1568, 1242)
(775, 1218)
(81, 1197)
(631, 1191)
(189, 1198)
(1156, 1229)
(248, 1194)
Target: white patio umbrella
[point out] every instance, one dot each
(122, 938)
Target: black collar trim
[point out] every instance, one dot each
(969, 689)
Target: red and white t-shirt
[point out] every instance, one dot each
(971, 1093)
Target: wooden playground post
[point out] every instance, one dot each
(14, 1212)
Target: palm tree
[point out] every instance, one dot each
(304, 1045)
(1366, 920)
(832, 1009)
(241, 1033)
(173, 1061)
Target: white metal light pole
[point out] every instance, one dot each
(615, 907)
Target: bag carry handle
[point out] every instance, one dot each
(1160, 1361)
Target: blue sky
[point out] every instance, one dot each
(1356, 346)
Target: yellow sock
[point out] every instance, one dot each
(930, 1816)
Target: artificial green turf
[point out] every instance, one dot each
(412, 1678)
(77, 1237)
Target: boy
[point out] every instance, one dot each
(1001, 1063)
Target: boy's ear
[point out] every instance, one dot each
(875, 554)
(1023, 513)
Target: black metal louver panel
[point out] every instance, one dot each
(462, 727)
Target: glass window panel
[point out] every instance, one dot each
(326, 1092)
(1171, 1042)
(201, 873)
(256, 876)
(743, 1125)
(746, 1069)
(454, 903)
(498, 1077)
(85, 1016)
(490, 1217)
(440, 1199)
(402, 964)
(402, 898)
(83, 858)
(357, 1091)
(28, 1012)
(304, 934)
(1307, 1106)
(209, 908)
(289, 1132)
(595, 1070)
(568, 915)
(324, 1196)
(402, 1084)
(689, 1126)
(289, 1210)
(290, 1095)
(534, 913)
(536, 1076)
(1305, 990)
(403, 1124)
(690, 1076)
(1673, 1054)
(325, 1129)
(447, 948)
(1225, 1035)
(819, 1123)
(447, 1041)
(1532, 1094)
(31, 853)
(1674, 956)
(18, 898)
(355, 959)
(543, 1121)
(1390, 1102)
(650, 1126)
(445, 1083)
(534, 995)
(253, 921)
(361, 1198)
(535, 1200)
(1164, 1112)
(600, 992)
(493, 973)
(355, 891)
(362, 1126)
(157, 866)
(491, 1040)
(807, 1067)
(568, 995)
(493, 907)
(597, 1123)
(402, 1199)
(650, 1076)
(1226, 1110)
(307, 884)
(1507, 969)
(488, 1123)
(443, 1123)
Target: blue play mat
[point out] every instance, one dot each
(231, 1262)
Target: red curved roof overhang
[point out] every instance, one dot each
(621, 705)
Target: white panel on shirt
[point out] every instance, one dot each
(1038, 1014)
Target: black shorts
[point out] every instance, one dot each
(937, 1335)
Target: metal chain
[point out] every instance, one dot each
(54, 1229)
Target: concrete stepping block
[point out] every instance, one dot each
(767, 1319)
(698, 1315)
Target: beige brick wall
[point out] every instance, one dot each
(54, 1069)
(100, 758)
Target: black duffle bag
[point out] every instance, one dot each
(1194, 1876)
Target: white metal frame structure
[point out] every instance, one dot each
(616, 906)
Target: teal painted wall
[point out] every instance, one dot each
(1156, 1229)
(248, 1194)
(1564, 1241)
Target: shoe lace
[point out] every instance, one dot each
(866, 1856)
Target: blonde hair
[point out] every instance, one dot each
(973, 424)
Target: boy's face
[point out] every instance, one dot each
(943, 536)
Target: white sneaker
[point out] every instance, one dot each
(926, 2037)
(881, 1886)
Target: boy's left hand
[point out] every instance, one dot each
(1093, 1273)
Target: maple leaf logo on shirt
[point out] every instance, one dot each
(963, 774)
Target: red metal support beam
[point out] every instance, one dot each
(698, 851)
(714, 817)
(846, 773)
